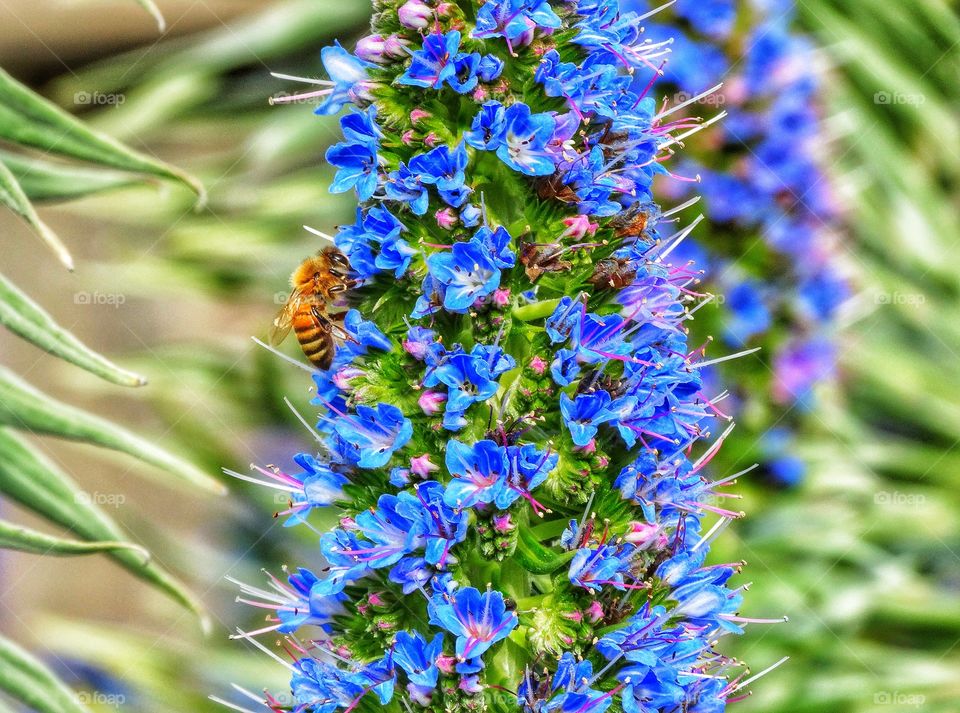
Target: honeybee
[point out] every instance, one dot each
(319, 282)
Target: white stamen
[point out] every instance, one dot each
(319, 233)
(762, 673)
(298, 364)
(689, 101)
(680, 237)
(711, 362)
(304, 80)
(691, 132)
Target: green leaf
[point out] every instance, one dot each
(25, 318)
(12, 196)
(537, 559)
(28, 680)
(154, 11)
(30, 120)
(24, 539)
(24, 407)
(36, 483)
(43, 180)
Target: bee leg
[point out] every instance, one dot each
(330, 326)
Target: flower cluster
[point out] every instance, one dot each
(773, 242)
(514, 428)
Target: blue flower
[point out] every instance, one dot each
(346, 72)
(529, 468)
(371, 437)
(438, 523)
(523, 142)
(584, 415)
(319, 487)
(406, 186)
(434, 63)
(596, 568)
(443, 168)
(487, 127)
(469, 377)
(749, 314)
(512, 18)
(467, 271)
(390, 532)
(490, 69)
(413, 654)
(465, 76)
(305, 606)
(497, 242)
(477, 620)
(479, 473)
(356, 168)
(339, 548)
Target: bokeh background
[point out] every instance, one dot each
(863, 554)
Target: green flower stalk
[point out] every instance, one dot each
(511, 416)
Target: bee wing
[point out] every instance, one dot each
(283, 322)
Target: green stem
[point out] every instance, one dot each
(535, 311)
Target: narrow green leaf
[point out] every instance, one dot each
(25, 318)
(36, 483)
(154, 11)
(25, 678)
(24, 407)
(43, 180)
(30, 120)
(24, 539)
(12, 196)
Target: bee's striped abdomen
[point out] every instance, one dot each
(316, 342)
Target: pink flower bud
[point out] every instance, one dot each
(423, 466)
(502, 523)
(376, 599)
(594, 612)
(431, 139)
(447, 664)
(408, 136)
(642, 534)
(371, 49)
(431, 401)
(394, 46)
(419, 114)
(579, 226)
(343, 377)
(415, 14)
(501, 297)
(446, 218)
(538, 365)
